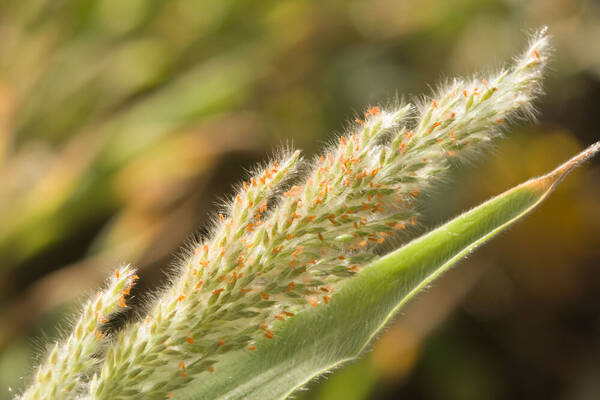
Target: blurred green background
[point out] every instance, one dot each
(124, 122)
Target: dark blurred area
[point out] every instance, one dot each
(124, 123)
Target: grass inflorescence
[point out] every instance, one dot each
(293, 233)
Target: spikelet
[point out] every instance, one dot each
(63, 372)
(279, 251)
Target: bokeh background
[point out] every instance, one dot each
(124, 122)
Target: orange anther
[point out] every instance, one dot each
(277, 249)
(294, 191)
(280, 316)
(263, 207)
(374, 110)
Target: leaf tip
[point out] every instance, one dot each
(550, 181)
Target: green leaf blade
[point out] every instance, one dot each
(319, 339)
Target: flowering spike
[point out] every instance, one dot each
(287, 245)
(70, 360)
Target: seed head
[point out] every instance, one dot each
(67, 365)
(288, 238)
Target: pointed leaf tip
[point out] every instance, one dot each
(549, 181)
